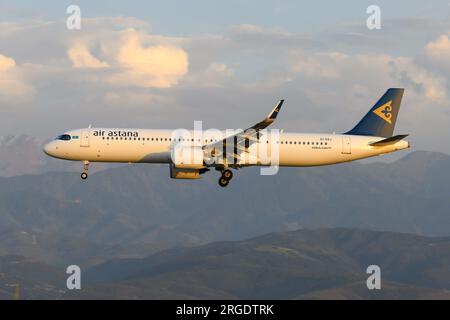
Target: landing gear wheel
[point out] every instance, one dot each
(223, 182)
(84, 174)
(227, 174)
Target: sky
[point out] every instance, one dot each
(165, 64)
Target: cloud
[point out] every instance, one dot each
(250, 29)
(214, 75)
(438, 51)
(323, 66)
(12, 84)
(82, 58)
(220, 68)
(107, 69)
(371, 71)
(6, 63)
(135, 98)
(159, 66)
(249, 35)
(134, 59)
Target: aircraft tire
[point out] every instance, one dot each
(223, 182)
(227, 174)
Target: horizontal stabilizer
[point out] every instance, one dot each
(389, 141)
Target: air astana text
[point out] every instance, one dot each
(117, 133)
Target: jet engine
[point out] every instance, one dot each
(187, 157)
(176, 173)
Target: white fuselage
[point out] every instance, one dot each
(154, 146)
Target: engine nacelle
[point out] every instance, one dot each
(176, 173)
(187, 157)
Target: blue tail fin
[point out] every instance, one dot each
(380, 120)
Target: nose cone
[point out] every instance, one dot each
(47, 149)
(50, 149)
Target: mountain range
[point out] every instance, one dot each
(50, 218)
(135, 210)
(22, 154)
(302, 264)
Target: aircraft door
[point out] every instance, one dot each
(346, 145)
(85, 134)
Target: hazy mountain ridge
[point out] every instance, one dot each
(320, 263)
(36, 280)
(22, 154)
(302, 264)
(55, 219)
(135, 210)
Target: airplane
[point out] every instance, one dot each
(206, 150)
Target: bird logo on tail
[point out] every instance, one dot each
(385, 112)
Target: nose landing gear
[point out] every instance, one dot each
(225, 178)
(84, 174)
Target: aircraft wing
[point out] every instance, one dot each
(235, 144)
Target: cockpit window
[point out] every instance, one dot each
(65, 137)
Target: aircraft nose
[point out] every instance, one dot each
(49, 149)
(46, 149)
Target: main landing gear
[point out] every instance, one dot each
(84, 174)
(225, 178)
